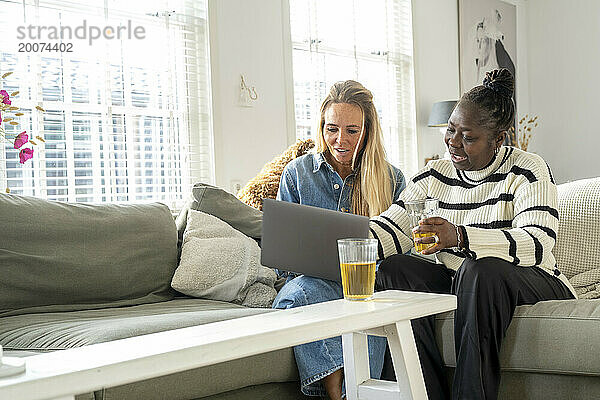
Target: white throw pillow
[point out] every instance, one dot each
(577, 248)
(220, 263)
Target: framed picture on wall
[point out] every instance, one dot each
(487, 39)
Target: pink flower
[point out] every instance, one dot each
(5, 97)
(21, 139)
(25, 155)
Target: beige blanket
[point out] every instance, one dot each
(587, 284)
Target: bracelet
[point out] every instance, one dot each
(458, 238)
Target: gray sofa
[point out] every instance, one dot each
(75, 274)
(551, 348)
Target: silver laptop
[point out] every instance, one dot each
(303, 239)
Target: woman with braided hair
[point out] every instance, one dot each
(494, 233)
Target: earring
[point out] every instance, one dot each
(496, 151)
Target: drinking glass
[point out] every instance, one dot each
(357, 263)
(418, 210)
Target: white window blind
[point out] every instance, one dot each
(366, 40)
(127, 120)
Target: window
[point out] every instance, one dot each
(127, 119)
(366, 40)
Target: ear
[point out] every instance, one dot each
(501, 137)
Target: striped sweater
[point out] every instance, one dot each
(508, 209)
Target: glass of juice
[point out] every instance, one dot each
(417, 210)
(357, 263)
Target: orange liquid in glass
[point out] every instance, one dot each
(358, 280)
(419, 247)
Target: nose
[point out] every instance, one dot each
(341, 137)
(454, 140)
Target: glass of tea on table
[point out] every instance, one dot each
(357, 263)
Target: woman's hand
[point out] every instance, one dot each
(444, 230)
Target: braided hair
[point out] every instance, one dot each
(494, 100)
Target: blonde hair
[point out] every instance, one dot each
(373, 188)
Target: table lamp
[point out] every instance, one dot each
(438, 117)
(440, 112)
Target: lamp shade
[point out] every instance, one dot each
(440, 112)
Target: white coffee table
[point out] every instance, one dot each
(63, 374)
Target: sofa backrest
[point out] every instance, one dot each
(577, 249)
(61, 257)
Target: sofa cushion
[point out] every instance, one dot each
(550, 336)
(23, 334)
(250, 378)
(59, 331)
(60, 257)
(587, 284)
(578, 242)
(577, 249)
(221, 263)
(223, 205)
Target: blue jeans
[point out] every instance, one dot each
(319, 359)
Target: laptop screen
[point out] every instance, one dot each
(303, 239)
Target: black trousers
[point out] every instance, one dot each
(487, 290)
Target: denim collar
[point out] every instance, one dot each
(318, 161)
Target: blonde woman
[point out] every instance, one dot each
(348, 172)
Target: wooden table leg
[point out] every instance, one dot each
(406, 361)
(356, 362)
(410, 384)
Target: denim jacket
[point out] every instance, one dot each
(312, 181)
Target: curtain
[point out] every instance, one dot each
(126, 118)
(366, 40)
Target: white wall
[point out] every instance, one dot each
(251, 37)
(435, 37)
(564, 83)
(247, 37)
(557, 64)
(436, 52)
(557, 76)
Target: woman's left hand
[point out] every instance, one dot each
(444, 230)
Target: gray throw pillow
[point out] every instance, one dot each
(58, 256)
(221, 263)
(223, 205)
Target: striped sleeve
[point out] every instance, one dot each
(532, 233)
(393, 228)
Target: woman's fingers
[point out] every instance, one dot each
(432, 239)
(427, 239)
(423, 228)
(432, 249)
(436, 231)
(433, 221)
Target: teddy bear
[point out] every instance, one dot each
(266, 183)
